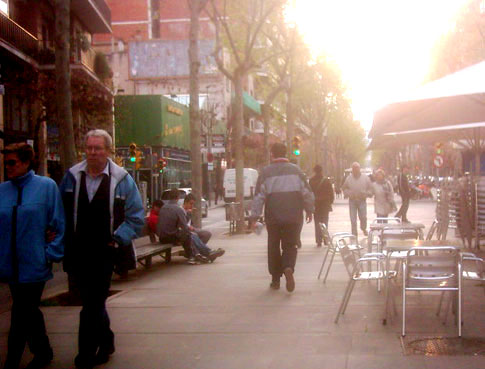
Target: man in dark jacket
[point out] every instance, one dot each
(104, 213)
(323, 192)
(404, 192)
(284, 192)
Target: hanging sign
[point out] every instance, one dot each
(438, 161)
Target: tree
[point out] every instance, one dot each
(238, 26)
(63, 83)
(196, 6)
(464, 44)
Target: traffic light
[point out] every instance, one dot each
(296, 145)
(439, 148)
(139, 159)
(162, 163)
(133, 152)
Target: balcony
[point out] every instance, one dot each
(17, 40)
(94, 14)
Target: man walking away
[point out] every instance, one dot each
(284, 192)
(357, 188)
(404, 192)
(324, 196)
(104, 213)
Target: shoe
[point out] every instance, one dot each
(319, 244)
(103, 355)
(290, 279)
(406, 221)
(275, 285)
(41, 360)
(365, 232)
(192, 261)
(83, 363)
(215, 254)
(201, 258)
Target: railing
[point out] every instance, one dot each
(18, 37)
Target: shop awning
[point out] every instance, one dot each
(251, 103)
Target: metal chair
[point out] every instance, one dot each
(432, 230)
(339, 239)
(473, 270)
(436, 268)
(373, 238)
(354, 268)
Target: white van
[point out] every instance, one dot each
(250, 178)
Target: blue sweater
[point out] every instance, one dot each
(41, 209)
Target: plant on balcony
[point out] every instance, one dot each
(101, 66)
(84, 43)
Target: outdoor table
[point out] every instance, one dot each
(392, 246)
(379, 227)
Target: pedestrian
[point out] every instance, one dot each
(383, 195)
(357, 188)
(324, 197)
(104, 213)
(31, 229)
(282, 189)
(404, 192)
(152, 220)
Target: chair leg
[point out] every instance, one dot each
(329, 266)
(440, 303)
(348, 296)
(459, 302)
(344, 297)
(404, 305)
(323, 262)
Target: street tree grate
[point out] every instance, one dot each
(443, 346)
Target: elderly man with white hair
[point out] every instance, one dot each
(357, 187)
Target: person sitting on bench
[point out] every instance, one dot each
(200, 237)
(172, 228)
(152, 219)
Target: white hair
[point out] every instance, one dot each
(108, 141)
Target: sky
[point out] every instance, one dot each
(383, 47)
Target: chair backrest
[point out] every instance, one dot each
(348, 257)
(473, 268)
(391, 220)
(439, 266)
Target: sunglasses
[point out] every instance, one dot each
(11, 163)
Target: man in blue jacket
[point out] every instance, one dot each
(284, 191)
(104, 213)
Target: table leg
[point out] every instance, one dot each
(386, 287)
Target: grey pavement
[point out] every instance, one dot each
(224, 315)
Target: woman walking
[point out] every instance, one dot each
(31, 229)
(383, 195)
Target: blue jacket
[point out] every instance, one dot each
(126, 209)
(41, 209)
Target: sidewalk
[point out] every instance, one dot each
(224, 316)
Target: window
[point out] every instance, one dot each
(17, 114)
(4, 6)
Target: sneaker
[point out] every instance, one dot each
(215, 254)
(41, 361)
(275, 285)
(290, 279)
(192, 261)
(201, 258)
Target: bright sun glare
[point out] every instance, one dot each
(383, 47)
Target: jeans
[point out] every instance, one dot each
(360, 208)
(200, 246)
(27, 323)
(282, 247)
(402, 213)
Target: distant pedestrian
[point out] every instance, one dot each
(324, 197)
(383, 195)
(104, 213)
(282, 189)
(357, 187)
(404, 192)
(31, 233)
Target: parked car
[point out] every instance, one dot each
(183, 193)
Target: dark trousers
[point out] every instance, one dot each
(27, 323)
(321, 217)
(186, 241)
(403, 210)
(94, 324)
(282, 247)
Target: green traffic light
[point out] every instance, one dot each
(132, 159)
(296, 152)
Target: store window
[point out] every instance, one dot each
(17, 114)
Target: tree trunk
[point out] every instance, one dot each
(63, 84)
(238, 148)
(194, 109)
(290, 123)
(266, 118)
